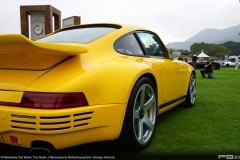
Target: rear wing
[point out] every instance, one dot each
(19, 52)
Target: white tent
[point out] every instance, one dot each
(202, 55)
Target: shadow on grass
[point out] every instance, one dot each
(109, 150)
(98, 150)
(102, 150)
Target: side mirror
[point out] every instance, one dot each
(174, 54)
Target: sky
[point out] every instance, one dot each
(172, 20)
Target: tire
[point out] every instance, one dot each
(227, 65)
(140, 117)
(191, 94)
(216, 67)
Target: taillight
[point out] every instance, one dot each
(53, 100)
(9, 104)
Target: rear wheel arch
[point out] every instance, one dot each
(153, 79)
(148, 75)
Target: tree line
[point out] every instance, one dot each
(216, 51)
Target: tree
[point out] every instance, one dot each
(233, 46)
(213, 50)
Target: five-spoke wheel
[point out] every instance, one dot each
(140, 118)
(144, 113)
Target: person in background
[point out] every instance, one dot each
(237, 62)
(208, 69)
(226, 56)
(180, 58)
(194, 61)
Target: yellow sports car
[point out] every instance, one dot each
(88, 83)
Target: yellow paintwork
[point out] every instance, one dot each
(103, 124)
(103, 75)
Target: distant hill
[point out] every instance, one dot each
(216, 36)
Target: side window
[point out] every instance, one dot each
(128, 45)
(151, 44)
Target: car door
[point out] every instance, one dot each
(173, 72)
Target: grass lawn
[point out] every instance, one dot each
(208, 129)
(211, 127)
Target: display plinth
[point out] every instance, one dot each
(41, 20)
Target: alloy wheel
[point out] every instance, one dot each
(144, 113)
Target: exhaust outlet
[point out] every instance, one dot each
(39, 152)
(44, 149)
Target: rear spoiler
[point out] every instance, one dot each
(19, 52)
(7, 40)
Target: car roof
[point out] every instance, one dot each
(128, 27)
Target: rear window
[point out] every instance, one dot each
(81, 35)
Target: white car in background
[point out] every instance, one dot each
(228, 63)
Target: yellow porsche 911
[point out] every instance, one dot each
(89, 83)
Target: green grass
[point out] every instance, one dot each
(208, 129)
(211, 127)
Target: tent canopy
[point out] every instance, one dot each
(202, 55)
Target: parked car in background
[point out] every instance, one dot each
(201, 64)
(228, 63)
(232, 58)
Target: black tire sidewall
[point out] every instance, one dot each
(127, 135)
(188, 102)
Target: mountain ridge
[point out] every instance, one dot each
(215, 36)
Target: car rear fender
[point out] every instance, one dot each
(101, 82)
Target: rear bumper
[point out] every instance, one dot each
(61, 127)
